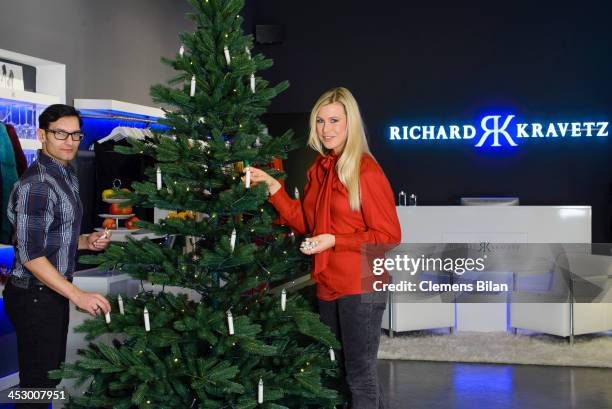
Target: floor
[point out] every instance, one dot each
(437, 385)
(444, 385)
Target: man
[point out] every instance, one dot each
(45, 211)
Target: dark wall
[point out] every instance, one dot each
(433, 63)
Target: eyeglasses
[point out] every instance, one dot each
(62, 135)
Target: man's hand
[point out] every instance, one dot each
(94, 303)
(321, 243)
(96, 241)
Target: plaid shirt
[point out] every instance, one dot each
(45, 211)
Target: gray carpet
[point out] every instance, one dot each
(537, 349)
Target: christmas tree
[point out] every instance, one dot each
(235, 339)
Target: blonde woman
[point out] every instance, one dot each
(347, 202)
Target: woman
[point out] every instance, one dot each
(347, 202)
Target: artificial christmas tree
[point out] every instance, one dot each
(239, 340)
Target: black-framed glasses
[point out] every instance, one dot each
(62, 135)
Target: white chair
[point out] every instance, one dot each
(418, 311)
(581, 283)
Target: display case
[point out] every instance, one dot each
(100, 168)
(22, 108)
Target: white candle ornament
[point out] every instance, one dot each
(332, 355)
(296, 193)
(146, 320)
(253, 83)
(228, 59)
(247, 182)
(233, 240)
(159, 179)
(260, 391)
(182, 50)
(283, 299)
(257, 142)
(193, 86)
(107, 317)
(246, 49)
(230, 322)
(120, 301)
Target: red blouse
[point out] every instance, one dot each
(325, 209)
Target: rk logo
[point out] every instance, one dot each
(496, 130)
(485, 246)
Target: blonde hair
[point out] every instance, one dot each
(349, 162)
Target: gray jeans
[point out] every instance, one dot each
(356, 321)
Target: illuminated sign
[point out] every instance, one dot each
(497, 131)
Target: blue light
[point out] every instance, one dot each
(7, 257)
(482, 383)
(5, 324)
(103, 122)
(24, 117)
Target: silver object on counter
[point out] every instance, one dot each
(412, 200)
(401, 200)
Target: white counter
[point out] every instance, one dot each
(500, 224)
(476, 224)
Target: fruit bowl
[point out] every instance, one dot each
(111, 201)
(116, 216)
(120, 230)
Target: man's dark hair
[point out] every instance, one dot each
(55, 112)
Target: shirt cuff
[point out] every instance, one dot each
(344, 242)
(279, 197)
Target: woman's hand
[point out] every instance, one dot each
(321, 243)
(259, 176)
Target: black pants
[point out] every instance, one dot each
(356, 321)
(40, 317)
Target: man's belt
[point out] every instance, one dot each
(28, 281)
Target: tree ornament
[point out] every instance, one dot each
(233, 240)
(230, 322)
(283, 299)
(120, 301)
(146, 320)
(193, 86)
(247, 182)
(228, 58)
